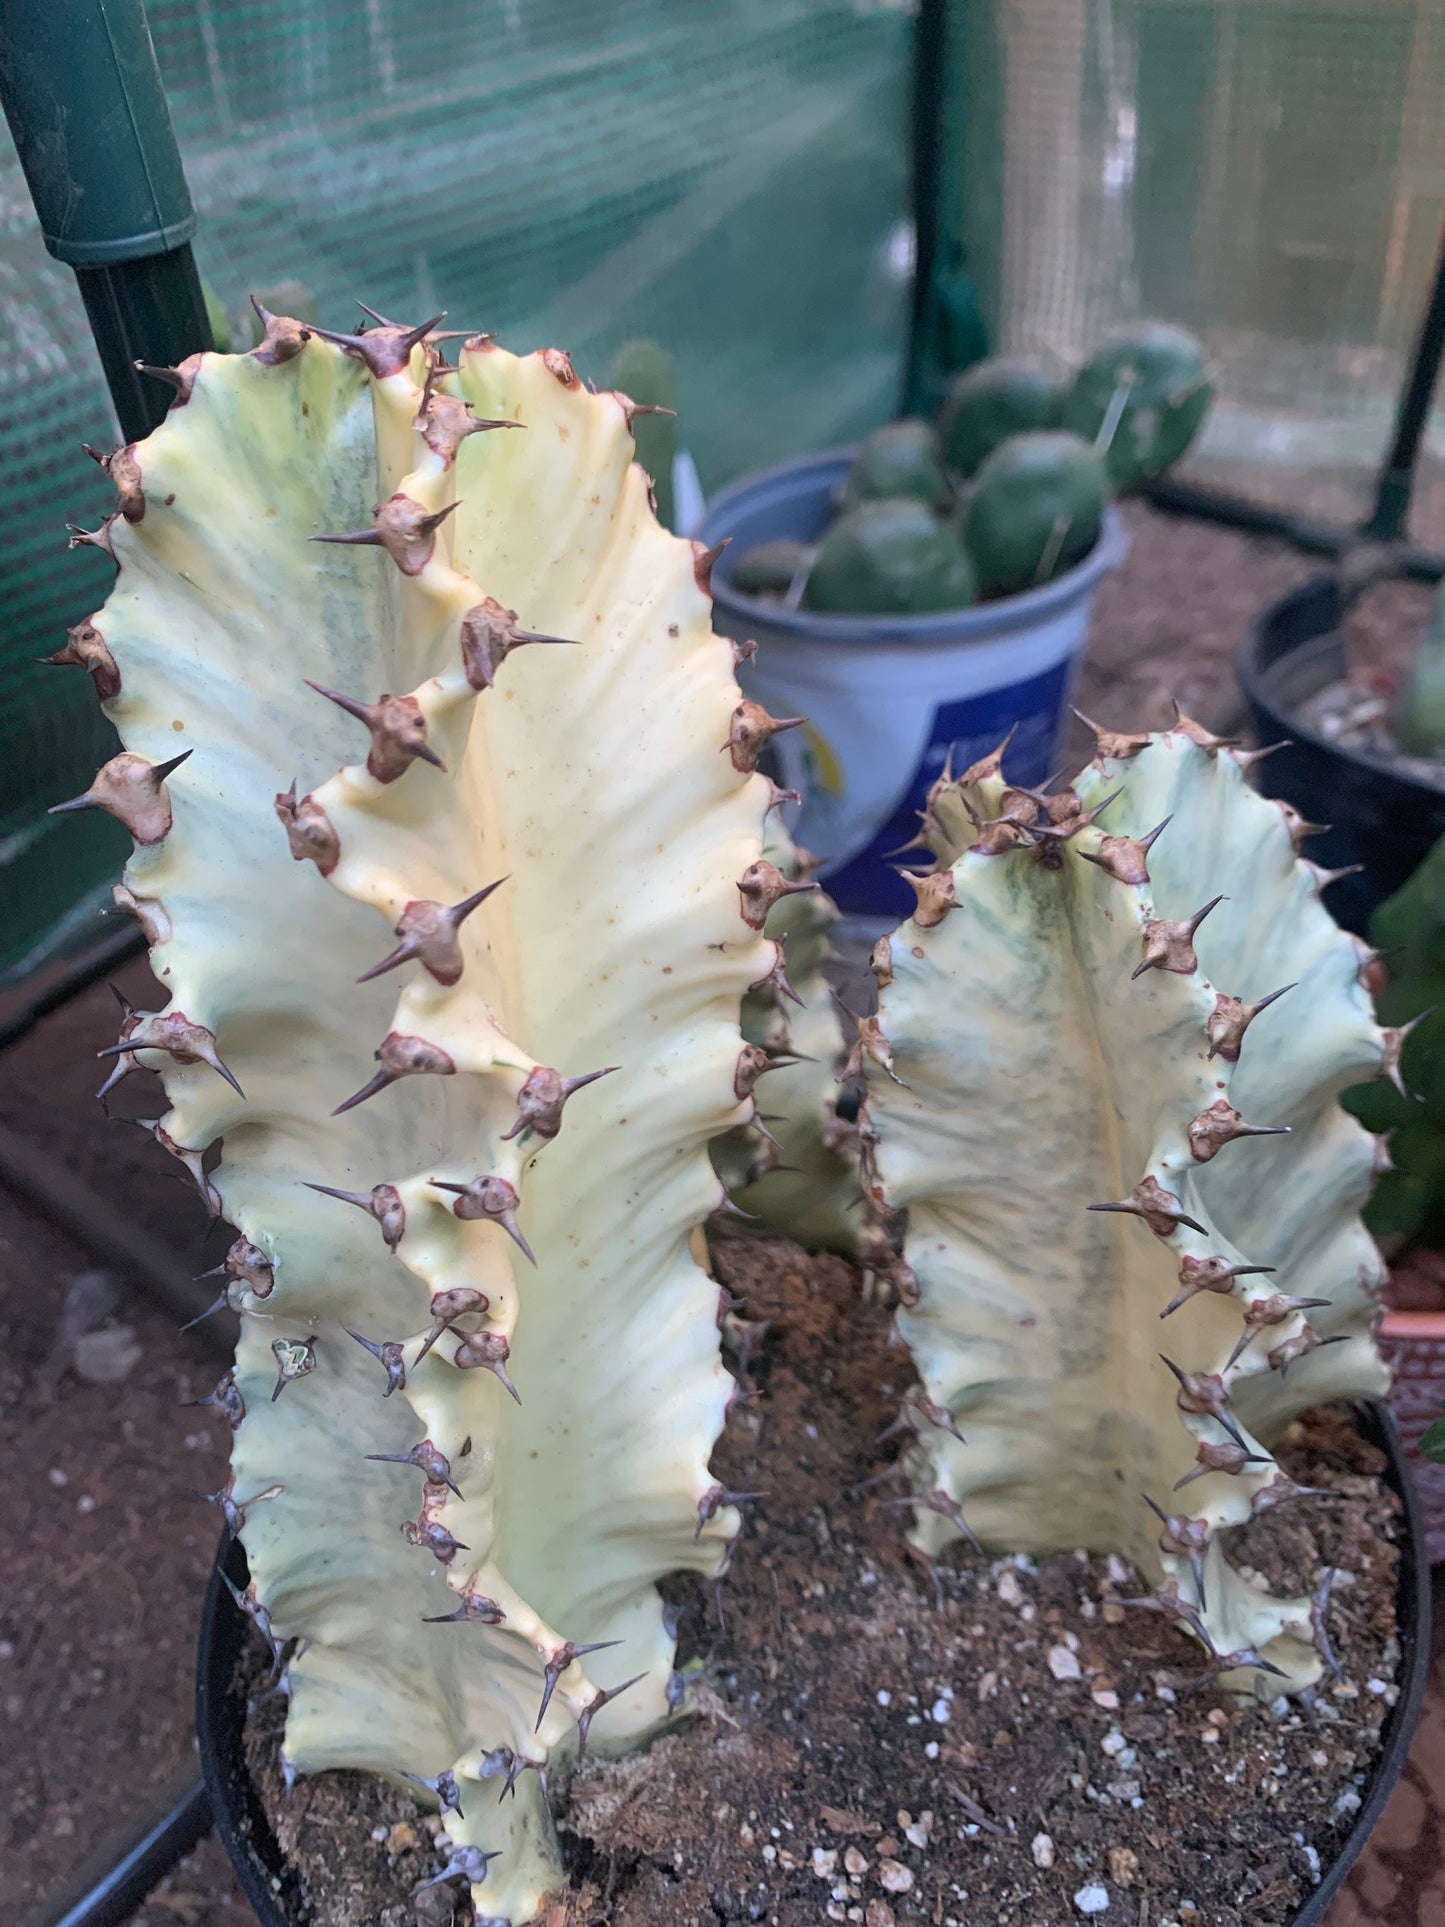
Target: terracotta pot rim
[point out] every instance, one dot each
(1413, 1325)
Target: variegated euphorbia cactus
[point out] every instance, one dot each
(1103, 1085)
(478, 1377)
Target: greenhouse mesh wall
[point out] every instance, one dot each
(727, 176)
(1271, 173)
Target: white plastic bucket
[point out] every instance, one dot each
(887, 697)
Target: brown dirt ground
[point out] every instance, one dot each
(1167, 623)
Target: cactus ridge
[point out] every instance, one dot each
(1114, 1050)
(478, 1380)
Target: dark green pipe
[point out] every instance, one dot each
(1397, 476)
(82, 92)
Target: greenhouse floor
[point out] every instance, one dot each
(106, 1558)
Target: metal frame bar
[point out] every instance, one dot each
(109, 1884)
(82, 90)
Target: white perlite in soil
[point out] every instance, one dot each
(1359, 719)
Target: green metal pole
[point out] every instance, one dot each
(82, 92)
(948, 329)
(1397, 474)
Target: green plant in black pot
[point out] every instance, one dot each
(1408, 932)
(1420, 717)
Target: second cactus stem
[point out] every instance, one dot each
(1103, 1087)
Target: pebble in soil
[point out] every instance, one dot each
(884, 1743)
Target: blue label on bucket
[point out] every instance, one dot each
(867, 883)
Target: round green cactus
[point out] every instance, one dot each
(767, 569)
(892, 558)
(1145, 393)
(1002, 396)
(1035, 509)
(900, 459)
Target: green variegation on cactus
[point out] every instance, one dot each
(1103, 1087)
(478, 1378)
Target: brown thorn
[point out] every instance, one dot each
(762, 885)
(383, 1202)
(1170, 946)
(557, 1665)
(987, 767)
(487, 1351)
(594, 1706)
(1204, 739)
(1158, 1208)
(1220, 1124)
(400, 1056)
(1231, 1017)
(398, 730)
(489, 634)
(490, 1198)
(283, 340)
(387, 349)
(390, 1354)
(751, 729)
(131, 790)
(402, 527)
(1111, 743)
(1247, 758)
(703, 560)
(541, 1099)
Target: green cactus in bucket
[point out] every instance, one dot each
(1001, 396)
(1019, 470)
(1143, 395)
(1034, 510)
(890, 558)
(899, 460)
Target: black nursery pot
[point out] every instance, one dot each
(1380, 818)
(274, 1891)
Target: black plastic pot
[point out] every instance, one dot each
(272, 1888)
(1380, 818)
(240, 1819)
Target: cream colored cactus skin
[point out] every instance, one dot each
(795, 1171)
(1103, 1087)
(478, 1376)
